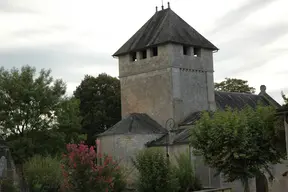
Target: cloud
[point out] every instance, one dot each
(7, 6)
(42, 31)
(65, 63)
(254, 38)
(235, 16)
(251, 50)
(277, 94)
(30, 32)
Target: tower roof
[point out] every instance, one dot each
(135, 123)
(164, 26)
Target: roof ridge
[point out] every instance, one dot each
(159, 127)
(268, 98)
(160, 28)
(164, 27)
(242, 93)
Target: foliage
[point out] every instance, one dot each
(49, 142)
(285, 98)
(234, 85)
(27, 106)
(238, 143)
(185, 173)
(43, 174)
(100, 104)
(69, 120)
(8, 185)
(27, 102)
(155, 172)
(84, 170)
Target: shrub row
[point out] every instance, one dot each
(82, 169)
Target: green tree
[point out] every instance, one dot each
(100, 104)
(155, 172)
(285, 98)
(240, 144)
(184, 171)
(234, 85)
(28, 102)
(69, 120)
(44, 142)
(27, 106)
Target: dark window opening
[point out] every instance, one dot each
(186, 50)
(197, 52)
(133, 56)
(144, 54)
(154, 51)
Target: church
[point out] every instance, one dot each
(166, 75)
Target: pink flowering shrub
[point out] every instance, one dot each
(84, 170)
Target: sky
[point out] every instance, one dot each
(74, 38)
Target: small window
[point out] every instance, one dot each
(154, 51)
(143, 54)
(133, 56)
(197, 52)
(186, 50)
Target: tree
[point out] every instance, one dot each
(155, 173)
(27, 105)
(69, 120)
(285, 98)
(37, 142)
(26, 102)
(234, 85)
(100, 104)
(240, 144)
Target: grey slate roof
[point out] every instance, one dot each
(223, 100)
(164, 26)
(136, 123)
(282, 110)
(234, 101)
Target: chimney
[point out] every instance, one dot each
(156, 9)
(168, 5)
(262, 89)
(162, 7)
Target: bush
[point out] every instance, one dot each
(155, 172)
(43, 173)
(185, 173)
(8, 185)
(84, 170)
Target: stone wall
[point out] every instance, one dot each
(148, 93)
(125, 147)
(170, 85)
(204, 172)
(195, 76)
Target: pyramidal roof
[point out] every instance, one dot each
(135, 123)
(165, 26)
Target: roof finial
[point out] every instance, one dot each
(263, 89)
(162, 5)
(156, 9)
(168, 5)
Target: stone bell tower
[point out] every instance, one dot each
(166, 69)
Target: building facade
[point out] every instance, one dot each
(166, 73)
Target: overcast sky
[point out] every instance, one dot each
(75, 38)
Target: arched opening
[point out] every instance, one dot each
(261, 183)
